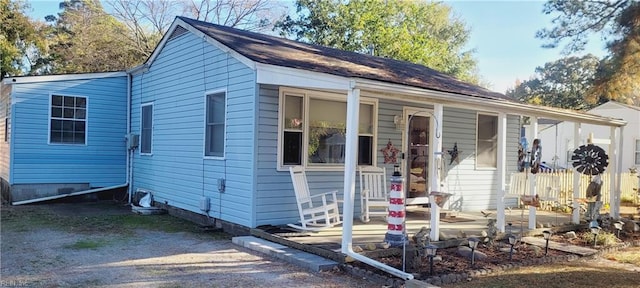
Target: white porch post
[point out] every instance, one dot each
(575, 217)
(351, 148)
(616, 169)
(502, 166)
(435, 162)
(532, 178)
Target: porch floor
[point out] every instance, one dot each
(471, 223)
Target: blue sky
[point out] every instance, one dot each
(502, 33)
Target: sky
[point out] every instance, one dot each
(502, 35)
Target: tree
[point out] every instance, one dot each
(148, 20)
(86, 39)
(562, 83)
(414, 31)
(618, 22)
(19, 39)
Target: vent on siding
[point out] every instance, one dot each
(176, 33)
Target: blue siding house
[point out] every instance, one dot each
(222, 113)
(62, 134)
(216, 116)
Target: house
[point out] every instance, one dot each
(221, 113)
(62, 134)
(559, 136)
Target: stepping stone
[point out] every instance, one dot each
(579, 250)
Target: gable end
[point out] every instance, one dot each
(177, 33)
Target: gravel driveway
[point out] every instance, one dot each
(60, 252)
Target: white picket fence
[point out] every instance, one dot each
(558, 186)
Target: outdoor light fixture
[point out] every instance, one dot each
(546, 234)
(618, 225)
(473, 243)
(595, 230)
(512, 241)
(431, 252)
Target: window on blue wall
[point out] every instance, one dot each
(68, 120)
(487, 141)
(314, 128)
(214, 134)
(146, 128)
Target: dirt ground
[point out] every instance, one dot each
(106, 245)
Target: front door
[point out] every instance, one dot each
(417, 152)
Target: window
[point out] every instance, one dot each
(214, 134)
(637, 154)
(487, 141)
(68, 120)
(146, 128)
(314, 128)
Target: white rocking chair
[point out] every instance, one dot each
(317, 212)
(374, 199)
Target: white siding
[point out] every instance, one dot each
(5, 113)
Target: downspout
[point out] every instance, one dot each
(351, 141)
(128, 136)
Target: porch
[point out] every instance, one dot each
(455, 228)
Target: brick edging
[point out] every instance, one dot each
(451, 278)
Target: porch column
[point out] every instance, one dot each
(351, 148)
(435, 162)
(616, 151)
(575, 217)
(502, 166)
(532, 178)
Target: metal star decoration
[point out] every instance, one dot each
(454, 153)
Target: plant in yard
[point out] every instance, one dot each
(604, 238)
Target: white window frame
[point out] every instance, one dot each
(636, 150)
(152, 126)
(306, 95)
(86, 120)
(6, 124)
(224, 125)
(478, 167)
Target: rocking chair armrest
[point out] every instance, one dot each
(332, 194)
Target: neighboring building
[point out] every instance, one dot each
(558, 144)
(222, 113)
(62, 134)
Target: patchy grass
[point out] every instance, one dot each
(562, 275)
(100, 219)
(86, 244)
(629, 255)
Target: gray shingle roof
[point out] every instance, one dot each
(279, 51)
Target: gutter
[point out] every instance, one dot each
(70, 194)
(353, 109)
(508, 107)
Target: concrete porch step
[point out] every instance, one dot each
(296, 257)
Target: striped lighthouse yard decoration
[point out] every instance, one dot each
(396, 235)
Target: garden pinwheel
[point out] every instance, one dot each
(590, 159)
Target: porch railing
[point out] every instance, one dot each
(561, 182)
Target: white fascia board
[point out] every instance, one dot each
(285, 76)
(178, 22)
(63, 77)
(464, 101)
